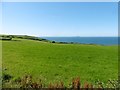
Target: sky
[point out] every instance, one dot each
(60, 18)
(60, 0)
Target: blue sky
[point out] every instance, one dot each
(60, 18)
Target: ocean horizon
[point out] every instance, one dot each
(86, 40)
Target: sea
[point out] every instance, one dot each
(86, 40)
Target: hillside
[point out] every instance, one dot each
(53, 62)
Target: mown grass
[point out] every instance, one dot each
(54, 62)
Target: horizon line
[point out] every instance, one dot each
(58, 36)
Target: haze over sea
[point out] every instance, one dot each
(86, 40)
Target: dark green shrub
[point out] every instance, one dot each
(53, 41)
(6, 77)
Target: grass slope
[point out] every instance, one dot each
(54, 62)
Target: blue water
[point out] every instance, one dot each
(86, 40)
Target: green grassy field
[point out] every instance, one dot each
(53, 62)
